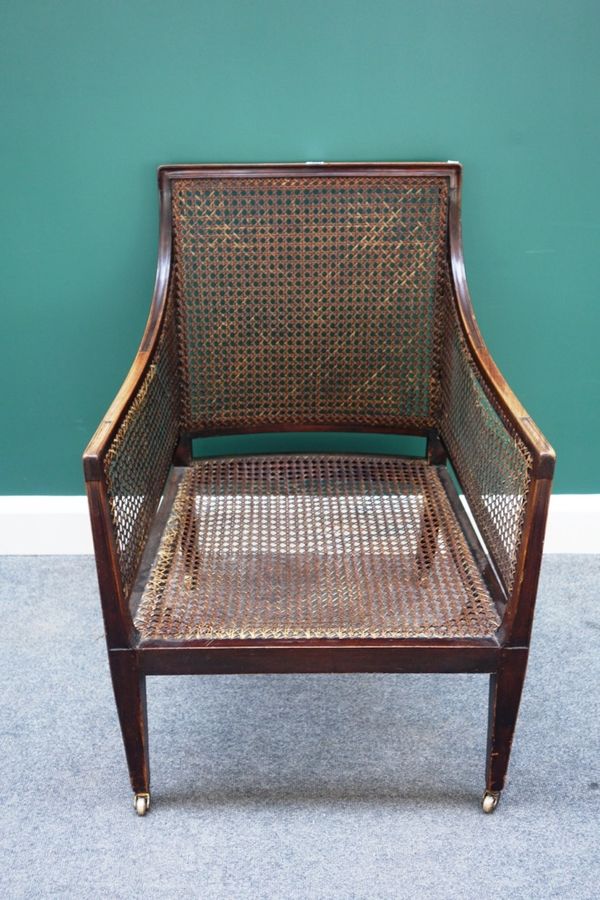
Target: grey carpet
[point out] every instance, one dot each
(292, 786)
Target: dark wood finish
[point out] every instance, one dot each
(256, 657)
(183, 451)
(518, 619)
(284, 427)
(506, 686)
(118, 624)
(129, 685)
(436, 452)
(302, 169)
(505, 658)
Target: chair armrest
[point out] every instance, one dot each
(127, 461)
(503, 462)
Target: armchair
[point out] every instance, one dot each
(315, 298)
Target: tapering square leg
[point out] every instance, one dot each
(506, 686)
(130, 694)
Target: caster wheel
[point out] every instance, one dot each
(141, 803)
(490, 801)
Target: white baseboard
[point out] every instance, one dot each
(55, 525)
(41, 526)
(573, 524)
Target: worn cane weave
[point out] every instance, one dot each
(139, 457)
(308, 546)
(299, 302)
(309, 301)
(492, 463)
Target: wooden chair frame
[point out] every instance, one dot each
(504, 656)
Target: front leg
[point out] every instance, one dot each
(506, 686)
(129, 686)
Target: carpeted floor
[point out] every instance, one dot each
(292, 786)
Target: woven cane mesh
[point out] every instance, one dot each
(139, 457)
(492, 463)
(309, 301)
(313, 546)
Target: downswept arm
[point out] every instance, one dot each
(503, 461)
(127, 461)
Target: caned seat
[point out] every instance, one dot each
(313, 546)
(304, 298)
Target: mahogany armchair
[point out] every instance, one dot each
(315, 297)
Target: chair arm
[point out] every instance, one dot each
(127, 461)
(503, 462)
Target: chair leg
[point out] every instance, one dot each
(130, 694)
(506, 686)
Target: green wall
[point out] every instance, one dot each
(96, 94)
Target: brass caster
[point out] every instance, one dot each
(141, 803)
(490, 801)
